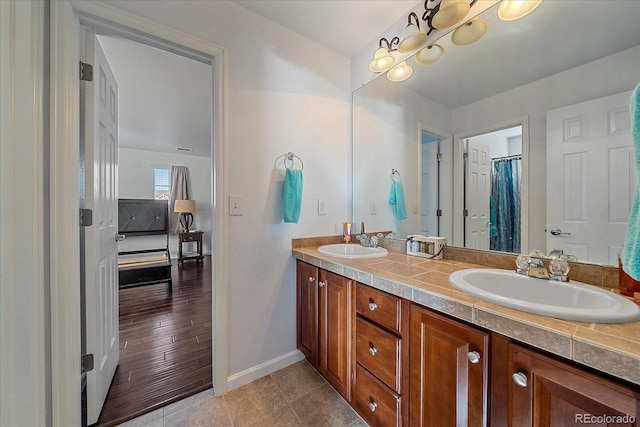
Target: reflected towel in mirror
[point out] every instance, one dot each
(630, 254)
(397, 198)
(292, 199)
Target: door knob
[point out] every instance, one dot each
(120, 237)
(322, 284)
(372, 306)
(558, 232)
(373, 406)
(311, 279)
(373, 351)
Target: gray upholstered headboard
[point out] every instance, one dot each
(143, 217)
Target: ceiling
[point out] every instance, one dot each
(346, 26)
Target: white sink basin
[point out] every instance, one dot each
(351, 251)
(569, 300)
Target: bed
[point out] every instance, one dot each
(142, 218)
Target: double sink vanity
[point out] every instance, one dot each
(404, 346)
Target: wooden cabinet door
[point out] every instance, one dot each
(335, 331)
(548, 392)
(307, 311)
(449, 371)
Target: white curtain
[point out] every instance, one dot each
(179, 191)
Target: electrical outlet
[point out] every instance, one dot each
(321, 210)
(415, 206)
(373, 209)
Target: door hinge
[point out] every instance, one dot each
(86, 217)
(465, 156)
(87, 363)
(86, 72)
(438, 212)
(465, 212)
(439, 157)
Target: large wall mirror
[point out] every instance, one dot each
(546, 97)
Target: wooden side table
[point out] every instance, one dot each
(194, 236)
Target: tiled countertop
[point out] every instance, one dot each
(611, 348)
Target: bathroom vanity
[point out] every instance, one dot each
(403, 347)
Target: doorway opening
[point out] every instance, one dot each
(142, 151)
(430, 184)
(492, 188)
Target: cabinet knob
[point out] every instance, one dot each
(372, 306)
(322, 284)
(373, 406)
(520, 379)
(312, 279)
(373, 351)
(473, 356)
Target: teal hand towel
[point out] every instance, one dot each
(292, 200)
(396, 197)
(630, 254)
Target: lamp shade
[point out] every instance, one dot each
(469, 32)
(510, 10)
(429, 55)
(382, 61)
(412, 39)
(184, 206)
(450, 13)
(400, 72)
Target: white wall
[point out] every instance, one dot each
(283, 93)
(135, 181)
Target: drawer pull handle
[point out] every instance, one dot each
(372, 306)
(312, 279)
(473, 356)
(373, 406)
(520, 379)
(373, 351)
(322, 284)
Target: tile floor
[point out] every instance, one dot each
(294, 396)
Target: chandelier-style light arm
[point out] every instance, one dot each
(391, 45)
(413, 15)
(431, 8)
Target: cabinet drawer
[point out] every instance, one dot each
(378, 306)
(379, 352)
(378, 405)
(190, 238)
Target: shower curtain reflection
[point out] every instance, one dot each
(505, 204)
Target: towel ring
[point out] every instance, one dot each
(395, 172)
(290, 156)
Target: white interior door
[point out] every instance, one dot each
(429, 220)
(477, 192)
(591, 177)
(101, 248)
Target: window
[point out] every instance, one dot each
(162, 183)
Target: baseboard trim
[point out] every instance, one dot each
(263, 369)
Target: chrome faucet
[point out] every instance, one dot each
(532, 267)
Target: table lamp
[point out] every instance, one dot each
(185, 208)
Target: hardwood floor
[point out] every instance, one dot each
(165, 344)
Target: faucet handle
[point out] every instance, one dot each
(522, 264)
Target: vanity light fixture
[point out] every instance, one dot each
(400, 72)
(450, 12)
(510, 10)
(412, 38)
(430, 54)
(382, 59)
(469, 32)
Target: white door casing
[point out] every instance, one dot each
(477, 192)
(101, 248)
(591, 177)
(429, 176)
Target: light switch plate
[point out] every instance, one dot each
(236, 205)
(321, 210)
(373, 209)
(415, 206)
